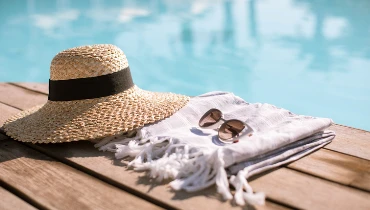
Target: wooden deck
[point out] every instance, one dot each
(78, 176)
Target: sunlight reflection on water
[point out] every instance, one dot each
(311, 57)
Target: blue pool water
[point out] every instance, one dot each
(309, 56)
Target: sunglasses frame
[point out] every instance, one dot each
(221, 121)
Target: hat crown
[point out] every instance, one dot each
(87, 61)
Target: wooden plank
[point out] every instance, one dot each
(308, 192)
(9, 201)
(19, 97)
(38, 87)
(337, 167)
(103, 165)
(351, 141)
(54, 185)
(6, 112)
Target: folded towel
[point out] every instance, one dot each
(176, 148)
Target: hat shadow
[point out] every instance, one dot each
(77, 149)
(51, 151)
(209, 193)
(12, 153)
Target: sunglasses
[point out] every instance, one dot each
(227, 129)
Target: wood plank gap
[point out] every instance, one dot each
(101, 177)
(2, 102)
(20, 97)
(332, 150)
(285, 205)
(350, 141)
(309, 192)
(27, 88)
(21, 195)
(335, 166)
(6, 112)
(323, 178)
(10, 201)
(34, 157)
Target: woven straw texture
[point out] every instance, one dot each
(65, 121)
(87, 61)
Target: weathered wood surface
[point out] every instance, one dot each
(37, 87)
(311, 192)
(9, 201)
(103, 165)
(13, 96)
(351, 141)
(337, 167)
(332, 174)
(6, 112)
(54, 185)
(113, 171)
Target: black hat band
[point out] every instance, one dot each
(92, 87)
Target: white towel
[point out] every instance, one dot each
(176, 148)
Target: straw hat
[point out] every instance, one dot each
(91, 95)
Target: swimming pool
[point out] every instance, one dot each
(311, 57)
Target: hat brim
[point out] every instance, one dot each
(65, 121)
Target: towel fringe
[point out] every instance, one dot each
(240, 184)
(191, 168)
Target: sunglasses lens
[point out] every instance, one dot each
(230, 129)
(210, 118)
